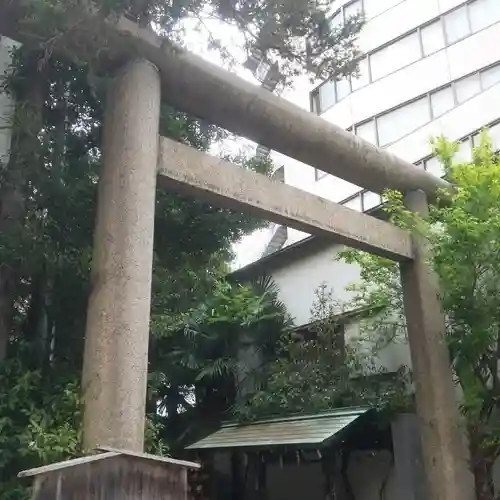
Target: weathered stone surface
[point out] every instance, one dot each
(117, 334)
(202, 89)
(410, 479)
(443, 444)
(195, 173)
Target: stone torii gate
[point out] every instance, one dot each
(116, 349)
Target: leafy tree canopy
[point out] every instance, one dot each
(464, 239)
(295, 36)
(317, 369)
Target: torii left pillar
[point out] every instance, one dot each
(117, 332)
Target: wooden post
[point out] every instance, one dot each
(117, 334)
(238, 485)
(443, 437)
(261, 476)
(328, 469)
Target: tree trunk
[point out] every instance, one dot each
(328, 469)
(482, 468)
(238, 485)
(37, 324)
(23, 155)
(344, 473)
(261, 471)
(482, 461)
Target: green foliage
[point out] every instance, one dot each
(463, 233)
(318, 370)
(40, 423)
(198, 355)
(233, 309)
(31, 432)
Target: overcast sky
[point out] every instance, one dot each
(196, 40)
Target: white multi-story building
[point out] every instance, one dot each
(428, 68)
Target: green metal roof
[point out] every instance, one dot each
(304, 430)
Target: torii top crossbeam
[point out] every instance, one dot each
(202, 89)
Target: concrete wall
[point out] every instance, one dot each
(387, 22)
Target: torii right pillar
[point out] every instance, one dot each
(443, 437)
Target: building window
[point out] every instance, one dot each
(373, 8)
(367, 131)
(327, 95)
(353, 9)
(354, 203)
(442, 101)
(337, 20)
(315, 106)
(341, 16)
(343, 88)
(457, 25)
(464, 153)
(494, 133)
(490, 77)
(395, 56)
(393, 125)
(363, 76)
(432, 38)
(483, 13)
(434, 167)
(371, 200)
(467, 88)
(402, 121)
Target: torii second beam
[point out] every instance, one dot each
(189, 171)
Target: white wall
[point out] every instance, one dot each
(389, 358)
(300, 278)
